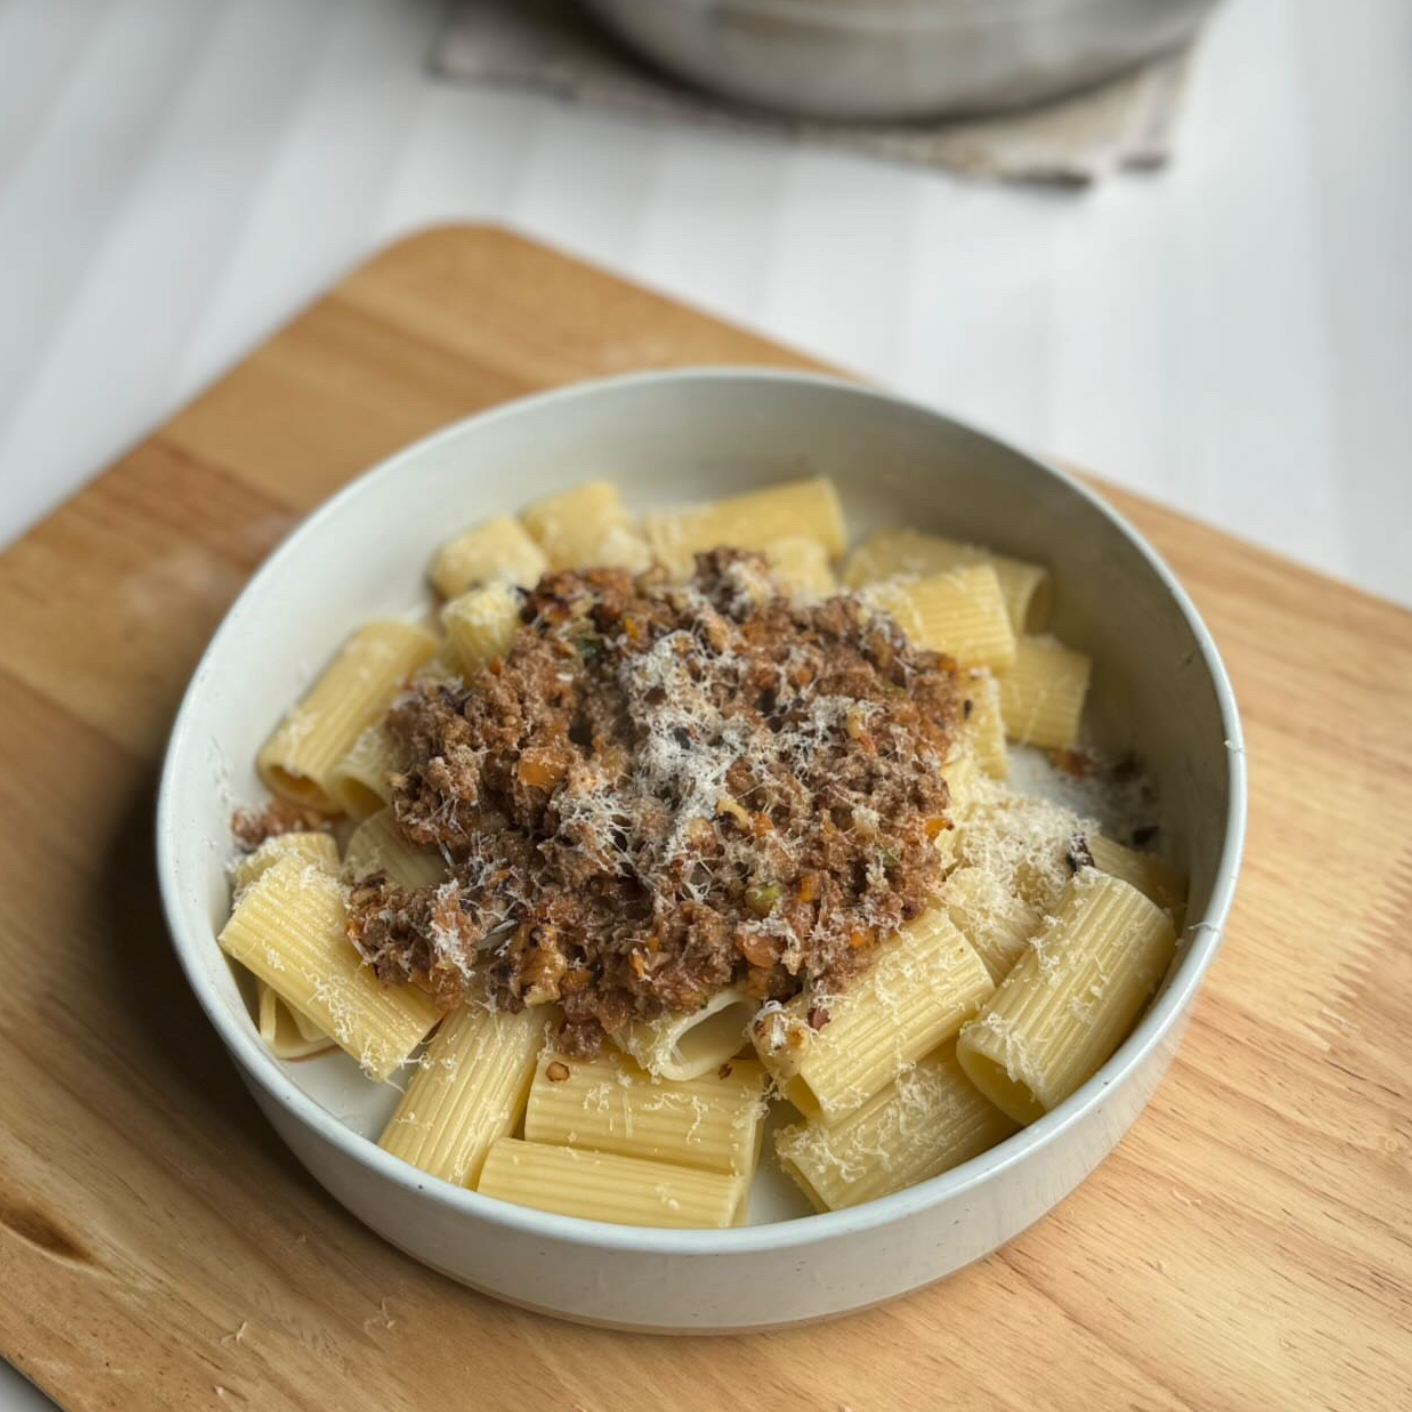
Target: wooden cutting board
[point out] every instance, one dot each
(1249, 1244)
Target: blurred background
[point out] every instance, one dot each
(1205, 295)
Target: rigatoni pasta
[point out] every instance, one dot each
(288, 1034)
(498, 548)
(963, 774)
(1030, 845)
(360, 783)
(995, 920)
(481, 624)
(1155, 879)
(468, 1092)
(930, 1119)
(609, 1104)
(290, 929)
(800, 565)
(599, 1186)
(909, 553)
(1067, 1004)
(587, 525)
(1042, 693)
(379, 846)
(350, 695)
(830, 1054)
(959, 612)
(807, 508)
(687, 1046)
(319, 849)
(983, 722)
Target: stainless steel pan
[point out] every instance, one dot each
(890, 59)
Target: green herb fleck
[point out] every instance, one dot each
(760, 898)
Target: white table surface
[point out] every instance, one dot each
(1232, 336)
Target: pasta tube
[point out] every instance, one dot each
(800, 566)
(983, 725)
(962, 773)
(1065, 1007)
(830, 1055)
(350, 695)
(687, 1046)
(377, 846)
(1155, 878)
(317, 848)
(1023, 841)
(587, 527)
(609, 1104)
(290, 929)
(359, 782)
(960, 613)
(928, 1121)
(498, 548)
(807, 508)
(469, 1092)
(287, 1033)
(481, 625)
(598, 1186)
(996, 921)
(1025, 587)
(1042, 694)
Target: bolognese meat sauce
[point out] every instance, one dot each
(662, 790)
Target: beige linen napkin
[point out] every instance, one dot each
(1127, 123)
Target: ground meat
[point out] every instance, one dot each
(663, 790)
(252, 827)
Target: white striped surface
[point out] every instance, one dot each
(1232, 337)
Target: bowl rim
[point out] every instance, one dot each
(258, 1065)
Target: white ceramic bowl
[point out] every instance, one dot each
(666, 437)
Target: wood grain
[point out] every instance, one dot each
(1249, 1245)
